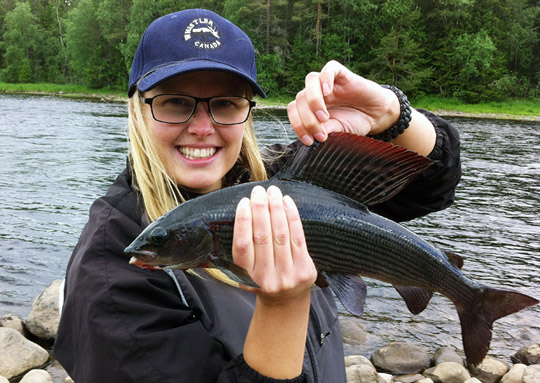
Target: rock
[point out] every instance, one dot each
(448, 372)
(363, 374)
(359, 370)
(17, 354)
(413, 378)
(472, 380)
(353, 360)
(447, 354)
(36, 376)
(532, 374)
(3, 380)
(515, 375)
(425, 380)
(12, 321)
(353, 334)
(386, 378)
(490, 370)
(400, 358)
(44, 317)
(528, 355)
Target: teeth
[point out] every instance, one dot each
(194, 154)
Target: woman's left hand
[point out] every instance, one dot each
(336, 99)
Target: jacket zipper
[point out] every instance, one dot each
(317, 324)
(320, 336)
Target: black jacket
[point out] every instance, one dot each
(123, 324)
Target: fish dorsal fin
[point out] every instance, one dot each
(367, 170)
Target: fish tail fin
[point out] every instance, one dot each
(477, 321)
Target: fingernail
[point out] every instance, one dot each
(321, 115)
(320, 136)
(258, 191)
(288, 201)
(325, 89)
(244, 203)
(307, 140)
(273, 191)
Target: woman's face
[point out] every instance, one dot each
(198, 153)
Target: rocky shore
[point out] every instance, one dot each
(24, 355)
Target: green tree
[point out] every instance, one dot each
(50, 65)
(142, 13)
(21, 39)
(86, 46)
(398, 56)
(472, 59)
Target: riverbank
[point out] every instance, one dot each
(520, 110)
(24, 359)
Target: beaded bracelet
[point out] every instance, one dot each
(404, 117)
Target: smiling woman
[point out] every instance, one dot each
(190, 133)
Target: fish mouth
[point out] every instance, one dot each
(197, 153)
(142, 264)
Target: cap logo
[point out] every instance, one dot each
(202, 33)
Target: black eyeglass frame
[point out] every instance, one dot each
(150, 101)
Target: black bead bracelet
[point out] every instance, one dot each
(404, 117)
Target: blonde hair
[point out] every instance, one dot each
(158, 190)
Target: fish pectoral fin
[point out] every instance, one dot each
(321, 280)
(350, 289)
(234, 272)
(416, 298)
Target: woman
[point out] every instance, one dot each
(191, 84)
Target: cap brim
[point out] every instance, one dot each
(156, 77)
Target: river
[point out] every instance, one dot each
(58, 155)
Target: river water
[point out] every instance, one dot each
(58, 155)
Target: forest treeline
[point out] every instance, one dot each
(474, 50)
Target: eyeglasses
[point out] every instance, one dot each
(177, 108)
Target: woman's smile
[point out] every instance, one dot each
(197, 153)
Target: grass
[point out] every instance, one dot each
(66, 90)
(522, 107)
(511, 108)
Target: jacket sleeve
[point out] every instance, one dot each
(434, 189)
(124, 324)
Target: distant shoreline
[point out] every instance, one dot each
(263, 104)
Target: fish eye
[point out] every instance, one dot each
(158, 236)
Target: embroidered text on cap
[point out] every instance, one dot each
(202, 33)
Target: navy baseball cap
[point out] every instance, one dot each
(188, 41)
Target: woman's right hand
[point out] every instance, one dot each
(269, 243)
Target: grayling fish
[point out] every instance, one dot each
(333, 184)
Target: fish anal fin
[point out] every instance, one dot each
(455, 259)
(477, 321)
(416, 298)
(350, 290)
(364, 169)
